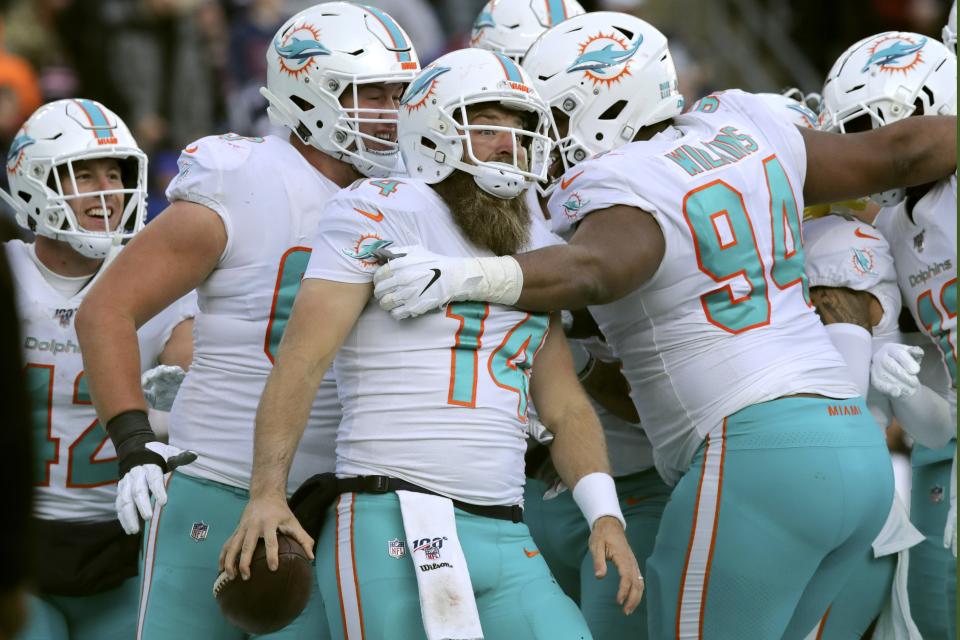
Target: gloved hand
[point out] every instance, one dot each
(894, 369)
(421, 281)
(143, 461)
(160, 386)
(140, 483)
(538, 431)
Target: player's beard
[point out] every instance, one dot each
(502, 226)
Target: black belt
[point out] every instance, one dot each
(386, 484)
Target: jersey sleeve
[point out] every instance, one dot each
(784, 135)
(844, 253)
(207, 170)
(355, 222)
(591, 186)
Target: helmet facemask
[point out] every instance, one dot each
(530, 147)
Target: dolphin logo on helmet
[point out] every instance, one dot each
(19, 143)
(419, 89)
(300, 49)
(892, 53)
(484, 20)
(601, 60)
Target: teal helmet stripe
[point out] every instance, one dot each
(509, 68)
(556, 11)
(399, 41)
(98, 119)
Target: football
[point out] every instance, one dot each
(269, 600)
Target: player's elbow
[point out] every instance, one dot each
(87, 319)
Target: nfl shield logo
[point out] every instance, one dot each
(918, 241)
(396, 548)
(936, 494)
(199, 531)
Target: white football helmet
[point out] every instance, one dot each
(435, 129)
(54, 139)
(885, 78)
(511, 26)
(790, 108)
(315, 57)
(950, 29)
(610, 73)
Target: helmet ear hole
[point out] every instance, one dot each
(304, 105)
(613, 110)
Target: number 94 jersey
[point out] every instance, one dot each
(75, 464)
(726, 321)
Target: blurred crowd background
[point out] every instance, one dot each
(176, 70)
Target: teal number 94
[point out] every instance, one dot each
(726, 247)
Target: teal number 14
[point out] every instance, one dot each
(508, 365)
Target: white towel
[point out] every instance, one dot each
(447, 603)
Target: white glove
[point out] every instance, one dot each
(136, 487)
(950, 532)
(421, 281)
(160, 385)
(538, 431)
(894, 369)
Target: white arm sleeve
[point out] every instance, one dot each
(855, 344)
(926, 417)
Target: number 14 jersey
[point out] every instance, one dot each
(726, 321)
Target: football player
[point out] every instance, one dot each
(241, 212)
(78, 182)
(440, 405)
(555, 524)
(511, 26)
(687, 241)
(877, 81)
(853, 286)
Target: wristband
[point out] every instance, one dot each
(501, 280)
(130, 431)
(596, 495)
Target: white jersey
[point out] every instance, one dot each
(269, 199)
(726, 321)
(441, 400)
(75, 464)
(844, 252)
(925, 254)
(628, 447)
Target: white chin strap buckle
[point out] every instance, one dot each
(501, 183)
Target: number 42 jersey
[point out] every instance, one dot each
(75, 464)
(726, 320)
